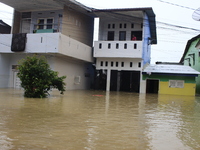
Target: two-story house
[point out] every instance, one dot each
(191, 57)
(62, 31)
(123, 47)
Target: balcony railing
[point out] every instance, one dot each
(55, 43)
(119, 49)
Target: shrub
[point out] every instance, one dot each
(37, 78)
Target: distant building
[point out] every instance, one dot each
(173, 79)
(123, 47)
(4, 28)
(191, 57)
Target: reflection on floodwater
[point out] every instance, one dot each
(99, 120)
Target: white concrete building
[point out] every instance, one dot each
(123, 47)
(60, 30)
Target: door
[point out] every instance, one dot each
(26, 24)
(111, 35)
(17, 81)
(152, 86)
(122, 35)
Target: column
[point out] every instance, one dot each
(108, 80)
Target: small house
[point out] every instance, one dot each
(170, 78)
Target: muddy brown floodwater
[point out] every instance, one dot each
(98, 120)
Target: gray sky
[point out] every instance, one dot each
(171, 40)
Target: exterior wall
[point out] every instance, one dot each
(50, 43)
(78, 26)
(103, 28)
(146, 56)
(133, 49)
(65, 66)
(75, 49)
(73, 70)
(118, 64)
(192, 58)
(188, 89)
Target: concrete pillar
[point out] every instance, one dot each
(108, 80)
(118, 80)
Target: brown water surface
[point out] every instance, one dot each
(98, 120)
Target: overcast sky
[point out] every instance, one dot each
(171, 40)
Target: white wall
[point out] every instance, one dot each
(72, 69)
(64, 65)
(128, 64)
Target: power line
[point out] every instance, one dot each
(176, 5)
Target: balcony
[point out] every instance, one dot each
(55, 43)
(118, 49)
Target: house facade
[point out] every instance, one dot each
(4, 28)
(62, 31)
(171, 79)
(191, 57)
(123, 47)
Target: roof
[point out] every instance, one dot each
(121, 11)
(3, 23)
(188, 46)
(170, 69)
(40, 5)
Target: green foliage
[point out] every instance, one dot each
(37, 78)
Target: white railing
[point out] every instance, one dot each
(119, 49)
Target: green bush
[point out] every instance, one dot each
(37, 78)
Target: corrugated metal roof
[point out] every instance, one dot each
(170, 69)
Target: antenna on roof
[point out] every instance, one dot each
(196, 15)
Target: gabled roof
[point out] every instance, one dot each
(170, 69)
(40, 5)
(128, 13)
(188, 46)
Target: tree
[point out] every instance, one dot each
(37, 78)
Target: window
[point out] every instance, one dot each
(49, 24)
(120, 25)
(139, 65)
(116, 64)
(106, 64)
(122, 64)
(41, 23)
(113, 26)
(109, 45)
(122, 35)
(125, 46)
(111, 63)
(46, 23)
(100, 45)
(101, 63)
(111, 35)
(108, 26)
(176, 83)
(77, 80)
(132, 25)
(135, 46)
(125, 25)
(131, 64)
(117, 45)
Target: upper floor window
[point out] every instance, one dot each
(45, 23)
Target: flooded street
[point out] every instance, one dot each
(96, 120)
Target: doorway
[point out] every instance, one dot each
(111, 35)
(122, 35)
(152, 86)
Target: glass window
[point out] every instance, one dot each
(176, 83)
